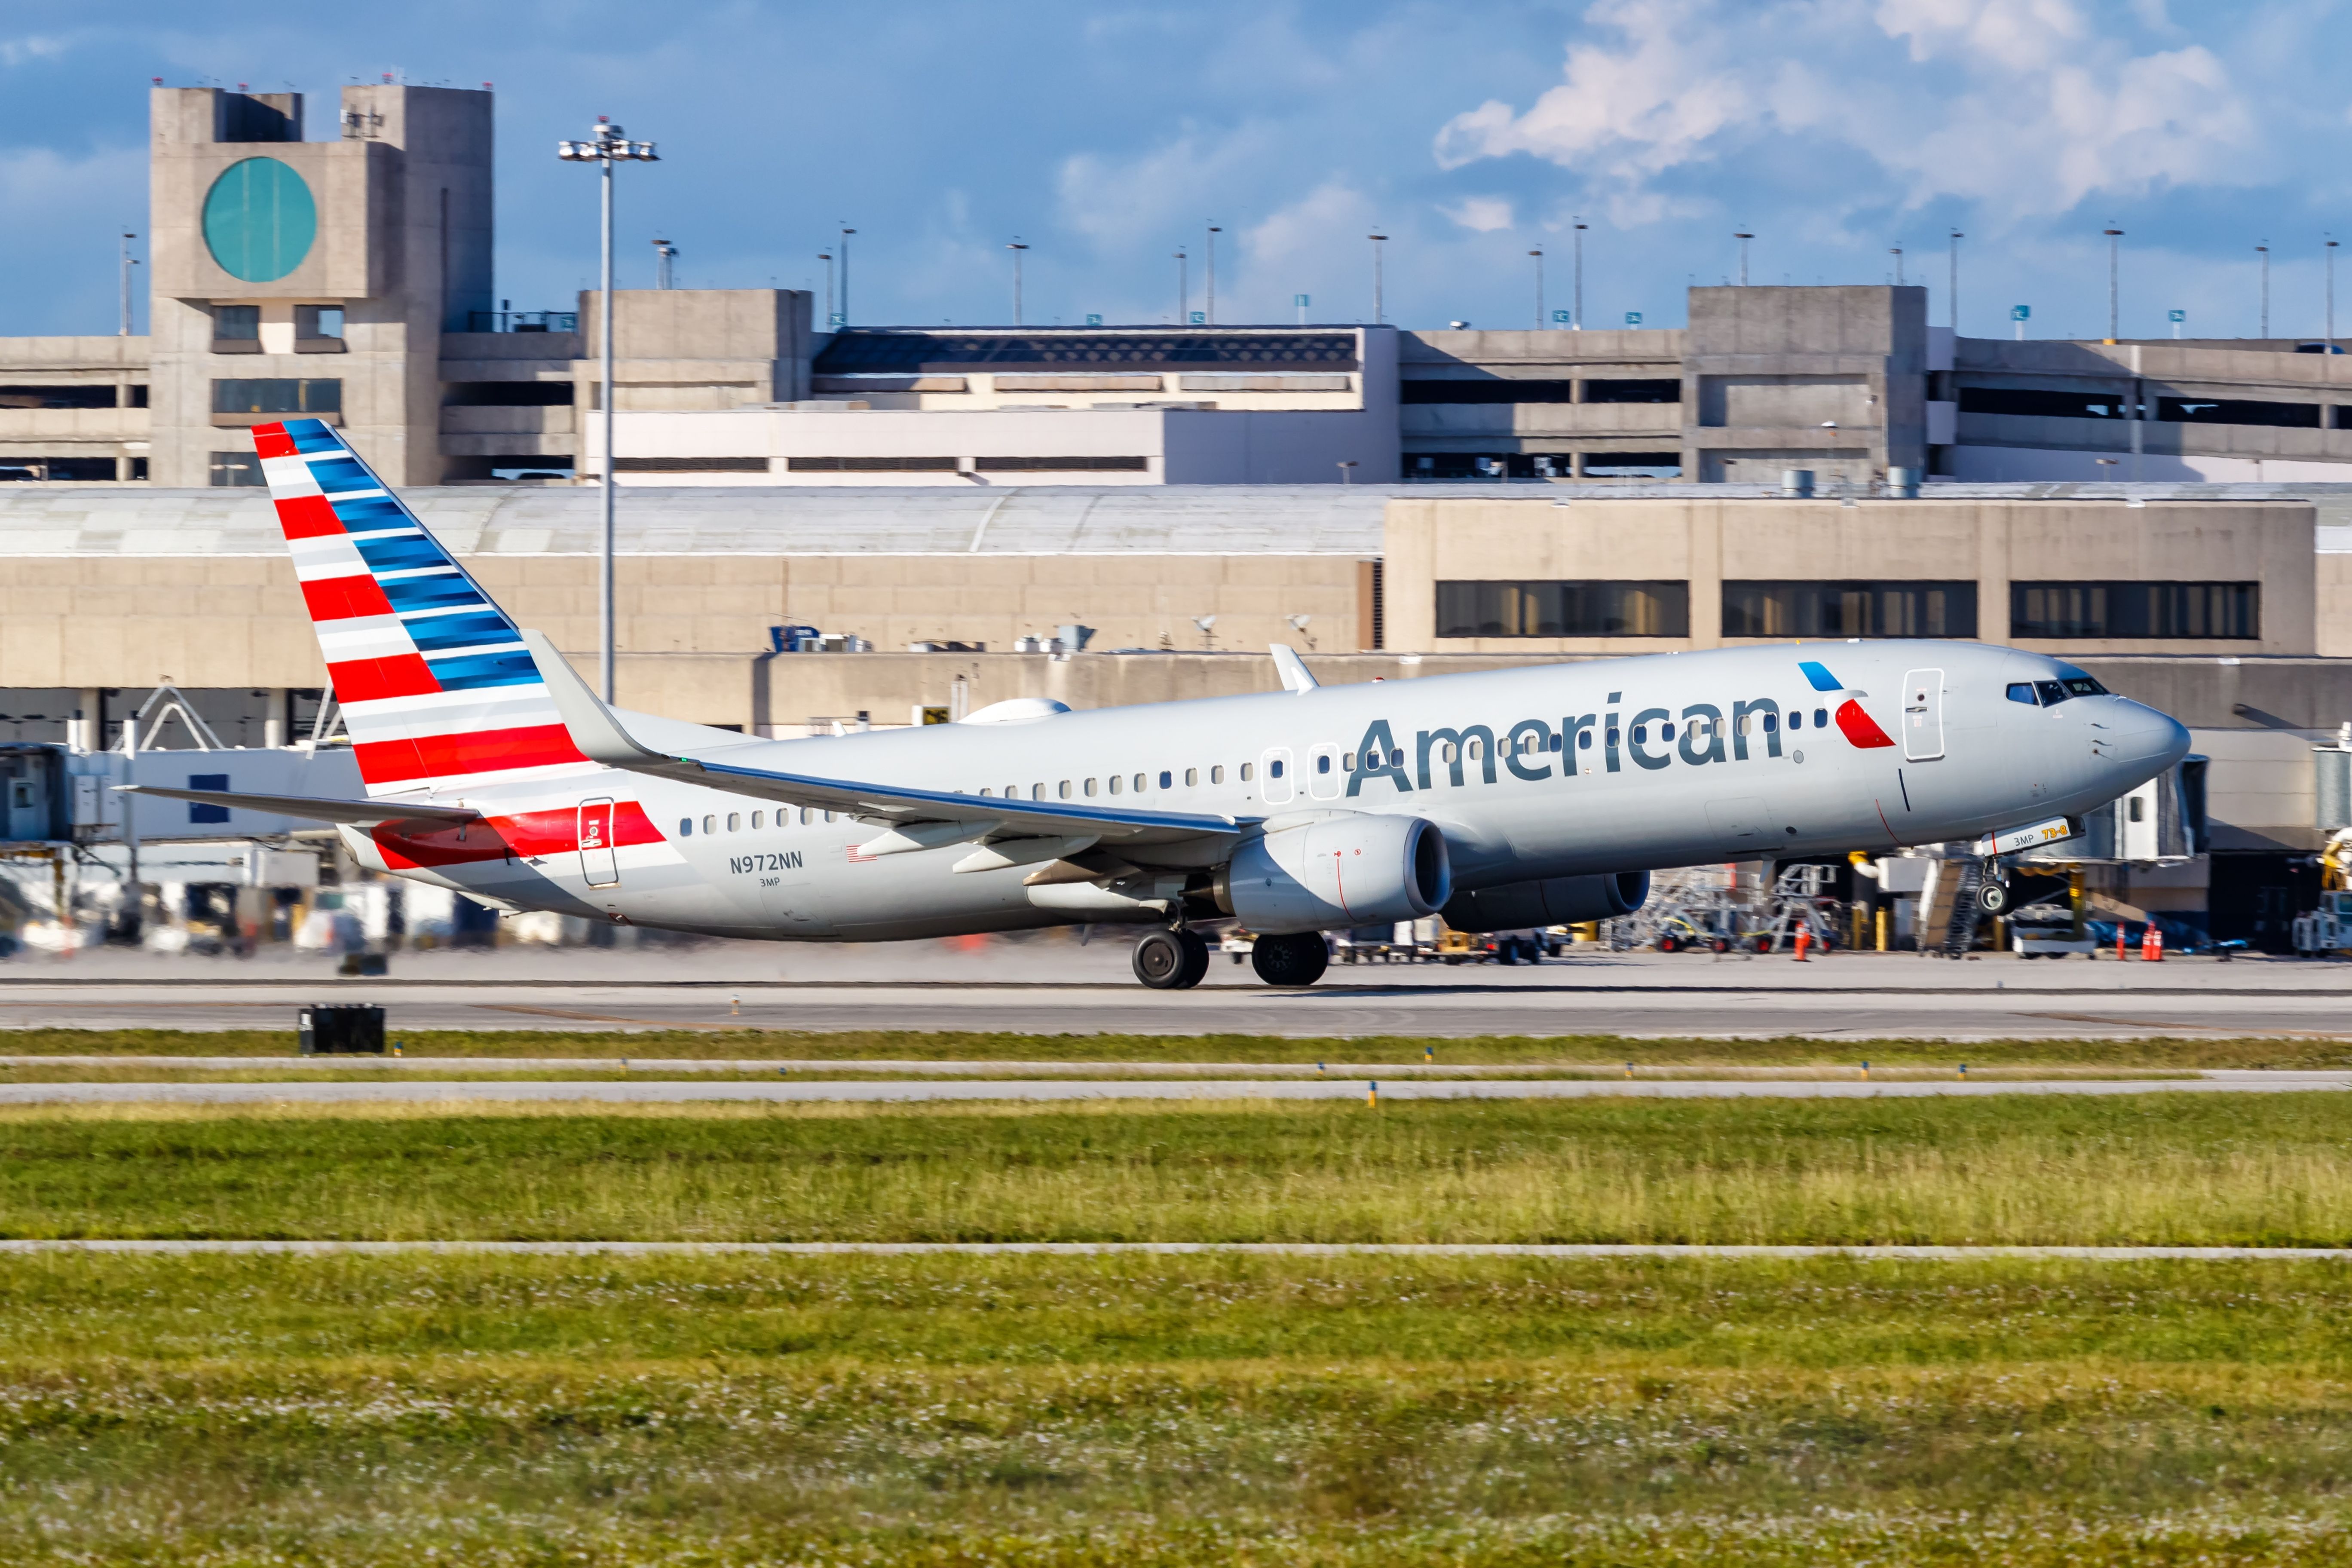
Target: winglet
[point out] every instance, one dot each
(593, 728)
(1296, 675)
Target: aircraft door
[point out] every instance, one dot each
(1323, 777)
(597, 866)
(1923, 715)
(1275, 786)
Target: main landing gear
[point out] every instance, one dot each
(1297, 959)
(1172, 959)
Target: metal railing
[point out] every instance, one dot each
(522, 320)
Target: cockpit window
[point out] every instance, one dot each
(2052, 692)
(2083, 686)
(2021, 691)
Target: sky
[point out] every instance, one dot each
(1109, 136)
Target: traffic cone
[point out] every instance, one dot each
(2151, 944)
(1804, 940)
(2119, 941)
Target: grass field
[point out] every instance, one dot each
(1146, 1412)
(1567, 1050)
(1167, 1411)
(2152, 1169)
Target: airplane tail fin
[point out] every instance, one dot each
(436, 686)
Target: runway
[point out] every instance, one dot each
(671, 1091)
(1887, 1254)
(1062, 989)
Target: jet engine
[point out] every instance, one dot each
(1337, 869)
(1555, 901)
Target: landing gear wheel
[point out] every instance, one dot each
(1992, 897)
(1196, 959)
(1297, 959)
(1162, 960)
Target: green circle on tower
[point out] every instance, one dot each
(259, 220)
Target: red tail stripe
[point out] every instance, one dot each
(343, 598)
(451, 756)
(524, 834)
(307, 517)
(271, 441)
(395, 675)
(1860, 727)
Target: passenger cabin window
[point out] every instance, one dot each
(711, 824)
(1796, 718)
(1090, 787)
(1274, 769)
(1191, 777)
(1167, 780)
(1821, 718)
(1245, 771)
(1217, 775)
(734, 822)
(759, 820)
(1117, 783)
(1771, 722)
(686, 827)
(1138, 784)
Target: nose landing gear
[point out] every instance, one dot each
(1172, 959)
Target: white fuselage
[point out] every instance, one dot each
(1549, 771)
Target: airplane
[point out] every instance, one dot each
(1501, 800)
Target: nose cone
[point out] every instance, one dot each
(2149, 741)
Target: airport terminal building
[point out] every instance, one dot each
(1130, 513)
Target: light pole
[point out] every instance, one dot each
(127, 264)
(1896, 252)
(1743, 237)
(1955, 290)
(1576, 305)
(845, 232)
(1537, 254)
(2114, 236)
(1183, 285)
(2263, 251)
(2330, 254)
(608, 147)
(1380, 304)
(664, 253)
(826, 257)
(1212, 302)
(1016, 248)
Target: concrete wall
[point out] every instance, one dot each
(1705, 542)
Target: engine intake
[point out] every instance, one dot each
(1346, 868)
(1555, 901)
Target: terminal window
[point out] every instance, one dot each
(1491, 390)
(236, 323)
(1054, 465)
(87, 394)
(1620, 609)
(277, 395)
(1896, 609)
(2154, 611)
(2040, 403)
(2239, 411)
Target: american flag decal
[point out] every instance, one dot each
(436, 686)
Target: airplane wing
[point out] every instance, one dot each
(599, 737)
(355, 813)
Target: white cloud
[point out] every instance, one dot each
(1482, 214)
(29, 49)
(2031, 106)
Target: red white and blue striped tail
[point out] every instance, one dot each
(436, 687)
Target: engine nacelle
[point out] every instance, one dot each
(1555, 901)
(1347, 868)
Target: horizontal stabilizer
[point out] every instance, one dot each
(1296, 678)
(599, 736)
(352, 813)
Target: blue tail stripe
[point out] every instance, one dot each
(460, 631)
(341, 474)
(404, 553)
(363, 513)
(313, 436)
(514, 669)
(430, 592)
(1820, 675)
